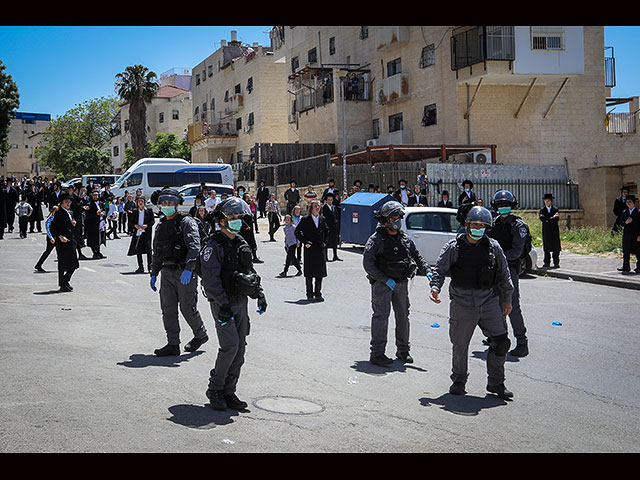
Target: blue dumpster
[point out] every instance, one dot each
(356, 220)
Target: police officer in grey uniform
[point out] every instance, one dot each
(390, 259)
(228, 281)
(480, 292)
(511, 232)
(176, 246)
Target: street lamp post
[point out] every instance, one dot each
(342, 74)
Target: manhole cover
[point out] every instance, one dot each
(288, 405)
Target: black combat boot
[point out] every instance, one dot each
(168, 350)
(521, 350)
(216, 399)
(404, 357)
(234, 402)
(195, 343)
(457, 388)
(381, 360)
(500, 390)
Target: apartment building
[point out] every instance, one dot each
(535, 95)
(239, 99)
(25, 132)
(168, 112)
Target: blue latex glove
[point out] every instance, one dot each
(152, 283)
(429, 276)
(391, 283)
(185, 278)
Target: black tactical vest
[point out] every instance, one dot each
(502, 231)
(170, 246)
(237, 265)
(395, 261)
(476, 267)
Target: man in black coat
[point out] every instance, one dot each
(62, 229)
(141, 240)
(630, 220)
(331, 214)
(468, 195)
(292, 197)
(331, 189)
(619, 206)
(262, 196)
(12, 198)
(34, 198)
(3, 208)
(312, 232)
(445, 202)
(93, 215)
(550, 216)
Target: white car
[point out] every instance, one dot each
(431, 227)
(189, 192)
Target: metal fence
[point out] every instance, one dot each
(528, 183)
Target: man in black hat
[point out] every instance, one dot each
(468, 195)
(445, 202)
(402, 194)
(630, 220)
(63, 230)
(619, 206)
(550, 216)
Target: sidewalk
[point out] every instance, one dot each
(591, 269)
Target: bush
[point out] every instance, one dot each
(584, 239)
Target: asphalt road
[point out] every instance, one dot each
(79, 374)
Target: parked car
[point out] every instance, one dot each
(431, 227)
(71, 183)
(189, 192)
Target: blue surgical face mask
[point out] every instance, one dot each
(476, 233)
(234, 226)
(504, 211)
(168, 211)
(467, 189)
(403, 186)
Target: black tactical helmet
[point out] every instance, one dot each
(389, 209)
(170, 195)
(504, 198)
(231, 206)
(479, 214)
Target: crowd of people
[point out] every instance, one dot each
(216, 242)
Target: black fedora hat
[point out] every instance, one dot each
(469, 182)
(548, 196)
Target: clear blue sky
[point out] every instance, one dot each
(57, 68)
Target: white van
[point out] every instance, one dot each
(151, 174)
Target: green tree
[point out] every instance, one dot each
(167, 145)
(73, 138)
(9, 103)
(137, 86)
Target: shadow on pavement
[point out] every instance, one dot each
(141, 360)
(467, 405)
(200, 416)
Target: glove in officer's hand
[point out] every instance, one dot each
(429, 276)
(391, 283)
(225, 314)
(152, 283)
(262, 304)
(185, 278)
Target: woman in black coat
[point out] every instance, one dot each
(142, 220)
(62, 229)
(549, 216)
(314, 240)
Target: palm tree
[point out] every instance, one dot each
(137, 86)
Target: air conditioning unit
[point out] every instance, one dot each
(371, 143)
(481, 157)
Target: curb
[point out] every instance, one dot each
(587, 278)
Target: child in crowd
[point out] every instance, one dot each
(290, 245)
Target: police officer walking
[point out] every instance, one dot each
(480, 293)
(176, 246)
(228, 280)
(390, 259)
(511, 233)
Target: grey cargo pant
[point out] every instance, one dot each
(515, 317)
(462, 323)
(174, 294)
(231, 345)
(382, 299)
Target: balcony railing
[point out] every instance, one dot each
(477, 44)
(621, 123)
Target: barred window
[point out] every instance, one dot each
(429, 115)
(428, 56)
(547, 38)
